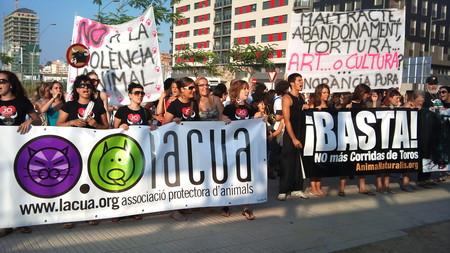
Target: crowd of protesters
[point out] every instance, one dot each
(185, 99)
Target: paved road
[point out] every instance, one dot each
(315, 225)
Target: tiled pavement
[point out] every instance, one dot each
(314, 225)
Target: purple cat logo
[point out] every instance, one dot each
(48, 166)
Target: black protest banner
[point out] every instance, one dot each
(344, 49)
(360, 142)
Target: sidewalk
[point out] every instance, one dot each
(315, 225)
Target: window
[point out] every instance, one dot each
(203, 44)
(273, 37)
(274, 20)
(244, 40)
(226, 28)
(411, 49)
(227, 14)
(348, 6)
(442, 33)
(423, 29)
(245, 25)
(201, 31)
(183, 21)
(336, 7)
(245, 9)
(181, 47)
(414, 7)
(182, 9)
(413, 28)
(444, 11)
(302, 4)
(328, 7)
(422, 50)
(201, 18)
(201, 4)
(424, 8)
(358, 5)
(217, 44)
(377, 2)
(274, 3)
(432, 49)
(433, 31)
(182, 34)
(278, 54)
(434, 10)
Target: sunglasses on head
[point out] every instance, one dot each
(3, 81)
(137, 93)
(189, 87)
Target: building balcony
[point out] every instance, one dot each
(302, 4)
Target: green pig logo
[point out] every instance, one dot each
(116, 163)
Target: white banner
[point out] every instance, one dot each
(121, 54)
(344, 49)
(62, 174)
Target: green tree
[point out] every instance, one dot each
(162, 13)
(197, 61)
(5, 59)
(251, 58)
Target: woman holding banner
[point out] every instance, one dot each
(391, 101)
(239, 109)
(83, 111)
(77, 113)
(291, 167)
(359, 98)
(14, 108)
(320, 99)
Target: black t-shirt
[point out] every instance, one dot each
(14, 112)
(76, 111)
(239, 112)
(131, 117)
(184, 111)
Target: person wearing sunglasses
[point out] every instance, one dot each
(184, 108)
(134, 113)
(14, 107)
(72, 112)
(210, 107)
(444, 96)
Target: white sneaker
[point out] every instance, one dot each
(299, 194)
(282, 197)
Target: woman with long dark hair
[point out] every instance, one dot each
(73, 112)
(321, 97)
(14, 108)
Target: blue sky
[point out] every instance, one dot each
(56, 39)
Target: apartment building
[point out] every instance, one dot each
(217, 25)
(21, 31)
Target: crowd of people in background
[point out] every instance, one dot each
(185, 99)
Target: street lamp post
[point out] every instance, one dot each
(34, 51)
(100, 9)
